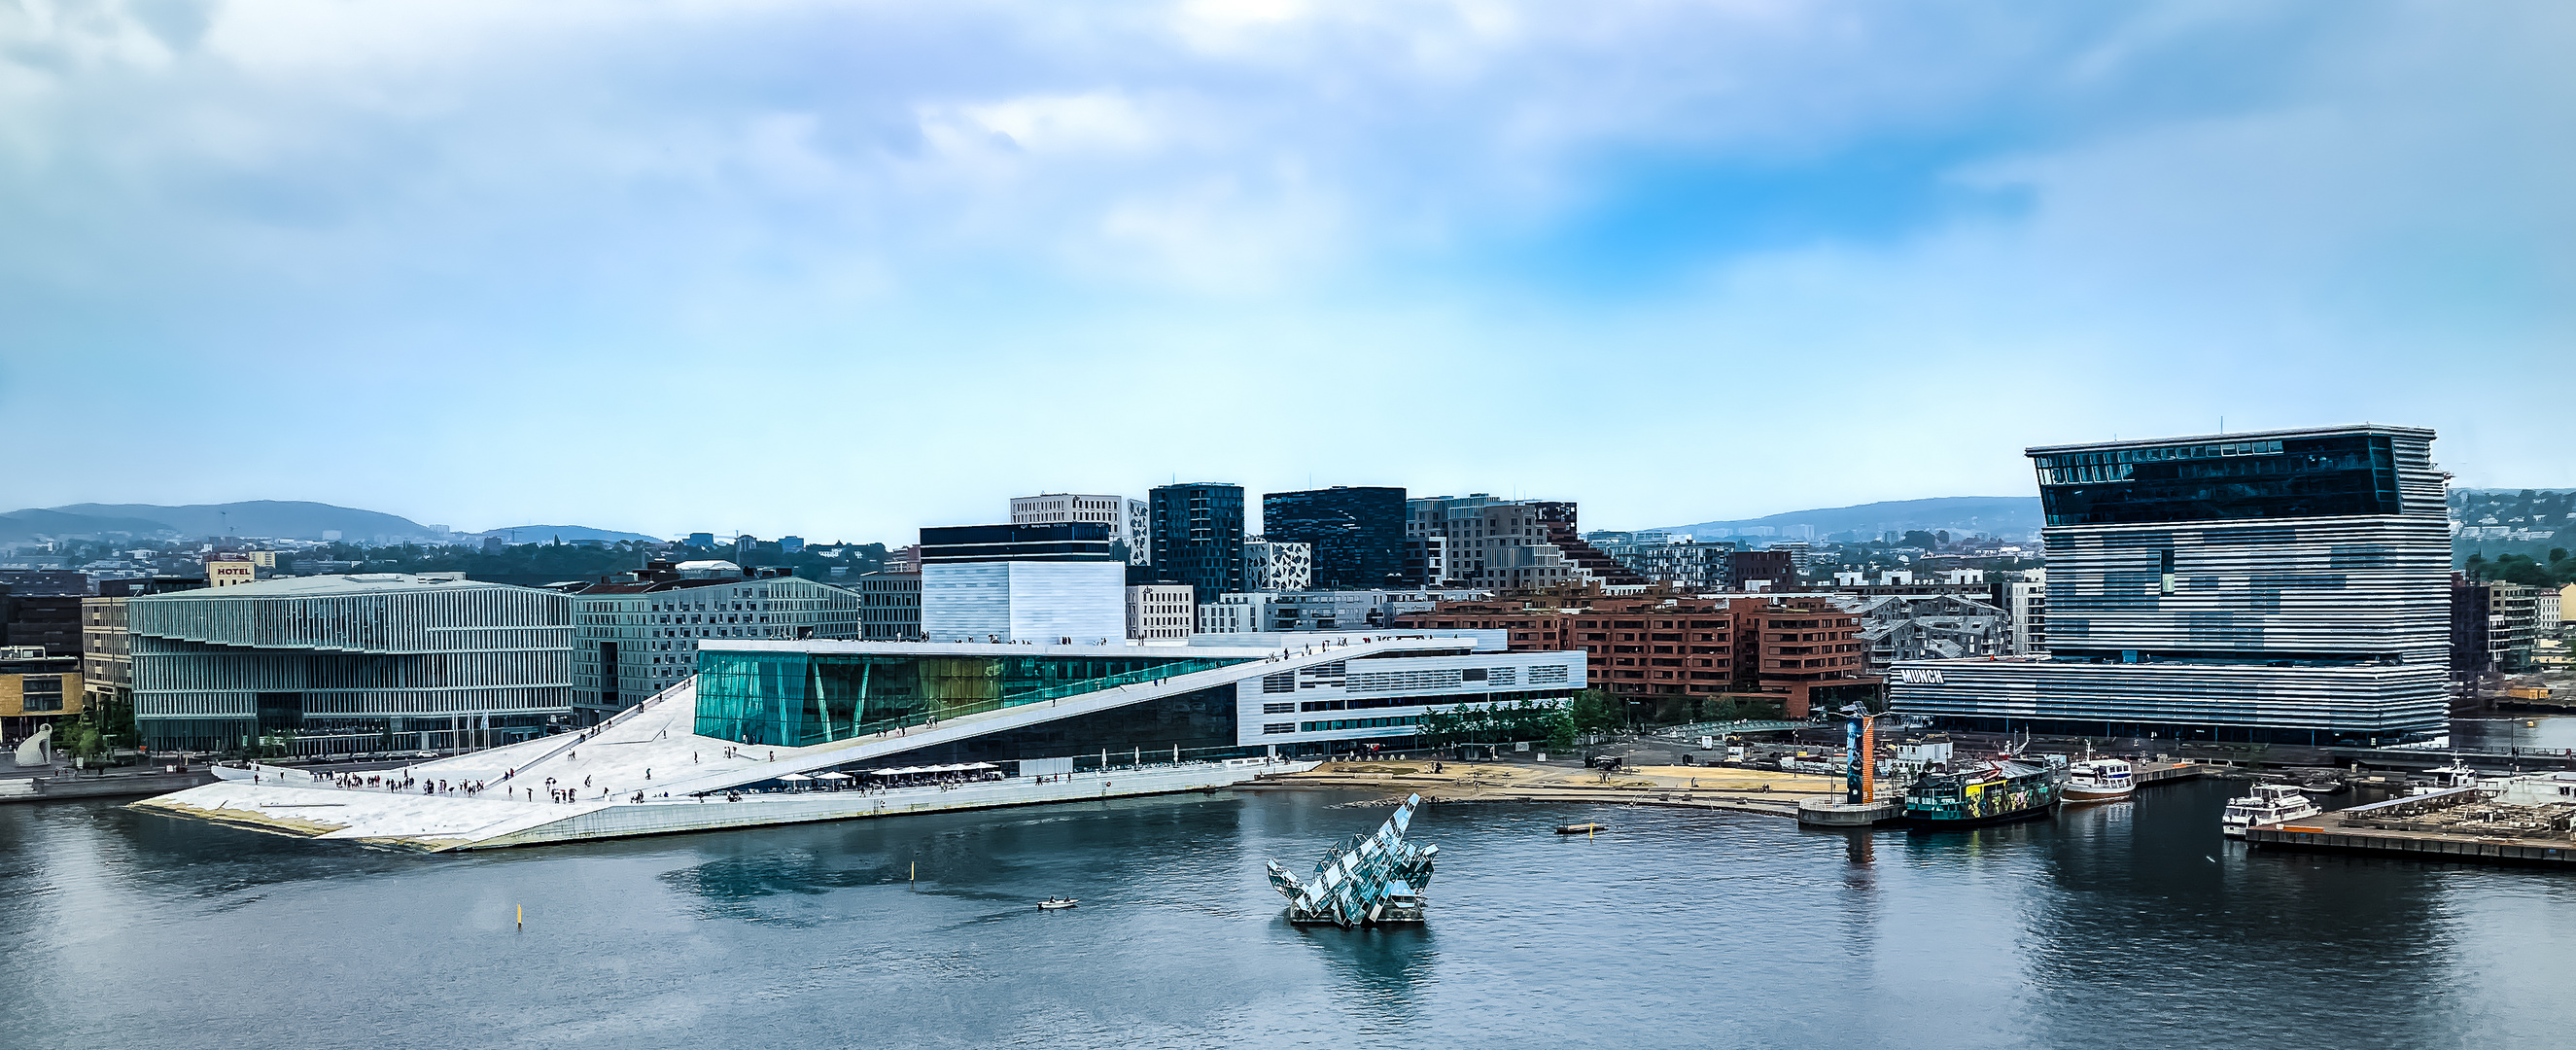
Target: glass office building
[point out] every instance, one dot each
(2285, 585)
(1198, 535)
(1357, 533)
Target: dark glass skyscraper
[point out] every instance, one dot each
(1198, 536)
(1357, 533)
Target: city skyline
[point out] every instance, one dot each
(905, 262)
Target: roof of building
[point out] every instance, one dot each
(2242, 435)
(317, 586)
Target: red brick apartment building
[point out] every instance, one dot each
(1796, 649)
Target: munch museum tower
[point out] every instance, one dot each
(2286, 586)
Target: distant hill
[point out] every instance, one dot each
(281, 519)
(1993, 515)
(24, 525)
(566, 533)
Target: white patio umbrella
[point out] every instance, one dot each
(834, 775)
(794, 778)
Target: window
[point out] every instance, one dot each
(1278, 709)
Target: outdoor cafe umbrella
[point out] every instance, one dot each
(834, 775)
(795, 778)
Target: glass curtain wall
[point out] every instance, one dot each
(794, 699)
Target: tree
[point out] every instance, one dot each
(1592, 712)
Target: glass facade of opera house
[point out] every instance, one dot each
(2286, 586)
(803, 694)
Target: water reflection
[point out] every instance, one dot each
(2127, 925)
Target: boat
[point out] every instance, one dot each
(2324, 786)
(1580, 829)
(2449, 778)
(2100, 780)
(2269, 804)
(1057, 903)
(1988, 791)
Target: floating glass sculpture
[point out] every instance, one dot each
(1368, 880)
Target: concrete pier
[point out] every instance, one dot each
(1827, 813)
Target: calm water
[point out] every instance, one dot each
(2132, 925)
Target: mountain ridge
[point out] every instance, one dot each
(1993, 515)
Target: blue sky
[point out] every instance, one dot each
(845, 269)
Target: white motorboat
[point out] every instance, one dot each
(2100, 780)
(2269, 804)
(1058, 903)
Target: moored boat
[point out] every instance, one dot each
(2100, 780)
(1983, 792)
(1580, 829)
(2269, 804)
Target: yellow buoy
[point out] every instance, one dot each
(523, 916)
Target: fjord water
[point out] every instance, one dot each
(2128, 925)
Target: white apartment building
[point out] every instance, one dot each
(1129, 520)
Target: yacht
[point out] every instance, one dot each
(2269, 804)
(2099, 780)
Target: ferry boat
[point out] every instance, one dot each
(2099, 780)
(2269, 804)
(1984, 792)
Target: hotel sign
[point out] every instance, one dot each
(1919, 675)
(225, 570)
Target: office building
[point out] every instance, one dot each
(2283, 586)
(889, 606)
(36, 689)
(1356, 533)
(1129, 520)
(1197, 533)
(1270, 565)
(40, 608)
(1270, 612)
(1051, 583)
(364, 660)
(1508, 545)
(106, 649)
(1160, 612)
(1930, 627)
(1668, 560)
(638, 635)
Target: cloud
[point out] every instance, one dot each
(1266, 239)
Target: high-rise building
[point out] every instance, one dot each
(1663, 558)
(1269, 565)
(2285, 585)
(1197, 533)
(636, 636)
(1357, 533)
(1129, 520)
(349, 659)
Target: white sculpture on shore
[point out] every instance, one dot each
(37, 750)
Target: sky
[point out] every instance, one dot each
(843, 270)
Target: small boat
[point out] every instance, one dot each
(1580, 829)
(2099, 780)
(1057, 903)
(2269, 804)
(2324, 786)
